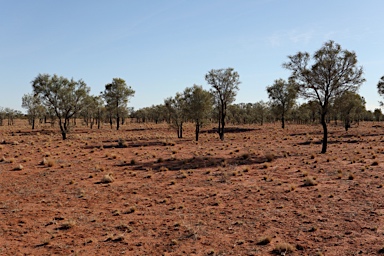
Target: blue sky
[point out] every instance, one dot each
(160, 47)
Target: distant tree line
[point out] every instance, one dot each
(56, 98)
(329, 80)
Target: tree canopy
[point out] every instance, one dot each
(225, 84)
(64, 96)
(116, 95)
(282, 96)
(332, 72)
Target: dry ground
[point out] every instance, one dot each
(262, 191)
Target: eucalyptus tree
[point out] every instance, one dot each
(176, 110)
(92, 110)
(283, 96)
(63, 96)
(2, 115)
(198, 106)
(261, 110)
(225, 84)
(378, 115)
(116, 95)
(332, 72)
(349, 105)
(34, 108)
(380, 89)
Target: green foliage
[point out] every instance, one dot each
(333, 72)
(34, 108)
(63, 96)
(198, 106)
(282, 96)
(176, 110)
(225, 84)
(116, 95)
(349, 105)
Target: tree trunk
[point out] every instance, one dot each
(282, 122)
(197, 130)
(63, 128)
(221, 129)
(33, 123)
(325, 133)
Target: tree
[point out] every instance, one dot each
(224, 84)
(333, 72)
(349, 105)
(33, 106)
(198, 104)
(91, 111)
(377, 114)
(261, 111)
(282, 96)
(65, 97)
(116, 95)
(176, 111)
(380, 89)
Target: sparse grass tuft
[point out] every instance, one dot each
(67, 225)
(283, 248)
(309, 181)
(108, 178)
(18, 168)
(270, 156)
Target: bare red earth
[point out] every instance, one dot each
(174, 196)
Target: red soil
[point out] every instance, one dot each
(174, 196)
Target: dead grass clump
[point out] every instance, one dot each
(18, 168)
(121, 143)
(108, 178)
(291, 187)
(163, 169)
(44, 161)
(309, 181)
(168, 143)
(50, 163)
(270, 156)
(67, 225)
(130, 210)
(283, 248)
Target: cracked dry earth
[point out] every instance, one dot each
(142, 191)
